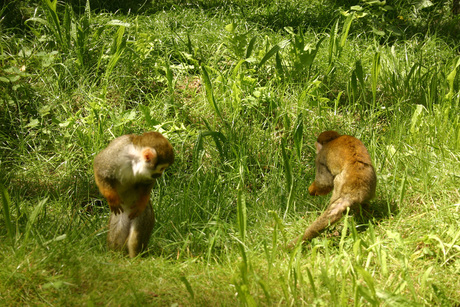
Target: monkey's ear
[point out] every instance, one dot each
(149, 155)
(318, 147)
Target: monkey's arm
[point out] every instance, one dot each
(324, 181)
(110, 193)
(144, 196)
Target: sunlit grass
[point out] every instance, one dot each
(242, 104)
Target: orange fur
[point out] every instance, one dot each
(125, 174)
(343, 166)
(315, 191)
(111, 194)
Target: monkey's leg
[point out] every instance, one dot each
(133, 244)
(140, 231)
(331, 216)
(117, 235)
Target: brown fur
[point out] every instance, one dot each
(343, 166)
(132, 218)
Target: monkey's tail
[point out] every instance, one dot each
(336, 208)
(330, 216)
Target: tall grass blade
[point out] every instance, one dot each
(189, 44)
(264, 287)
(6, 204)
(83, 31)
(374, 77)
(332, 45)
(312, 283)
(188, 286)
(360, 73)
(169, 78)
(426, 276)
(368, 293)
(38, 208)
(354, 86)
(250, 47)
(414, 67)
(147, 116)
(449, 248)
(402, 192)
(344, 231)
(209, 91)
(397, 300)
(51, 7)
(279, 65)
(290, 200)
(244, 267)
(278, 222)
(311, 53)
(197, 149)
(287, 165)
(237, 67)
(450, 79)
(211, 246)
(289, 178)
(272, 52)
(242, 215)
(118, 46)
(219, 140)
(298, 136)
(417, 119)
(67, 23)
(346, 30)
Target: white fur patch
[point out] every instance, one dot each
(133, 167)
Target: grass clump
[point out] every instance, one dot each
(241, 90)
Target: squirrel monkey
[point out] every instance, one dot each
(344, 167)
(125, 172)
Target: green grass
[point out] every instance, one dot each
(241, 90)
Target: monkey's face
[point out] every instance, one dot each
(147, 166)
(159, 169)
(147, 172)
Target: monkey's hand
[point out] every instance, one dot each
(113, 199)
(314, 190)
(117, 209)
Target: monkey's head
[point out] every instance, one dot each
(324, 138)
(157, 153)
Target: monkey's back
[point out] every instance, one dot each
(351, 165)
(108, 161)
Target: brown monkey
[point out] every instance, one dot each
(125, 172)
(343, 166)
